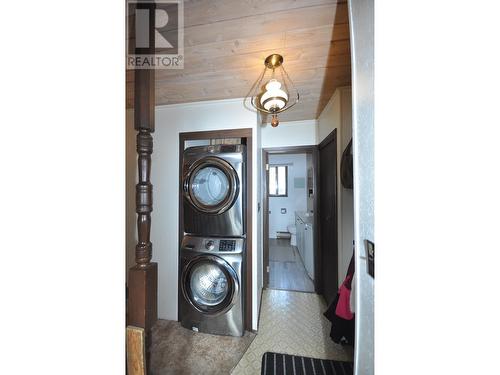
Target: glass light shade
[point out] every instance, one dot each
(274, 98)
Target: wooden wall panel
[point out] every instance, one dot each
(200, 12)
(226, 42)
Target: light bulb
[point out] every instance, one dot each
(274, 121)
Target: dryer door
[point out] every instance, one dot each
(211, 185)
(210, 284)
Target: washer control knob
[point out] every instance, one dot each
(210, 245)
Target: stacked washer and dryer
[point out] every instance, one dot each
(212, 253)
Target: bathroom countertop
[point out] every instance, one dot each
(306, 217)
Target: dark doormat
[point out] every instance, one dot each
(285, 364)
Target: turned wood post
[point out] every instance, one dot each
(143, 277)
(144, 189)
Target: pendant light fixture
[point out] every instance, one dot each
(272, 91)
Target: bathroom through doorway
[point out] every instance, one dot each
(290, 219)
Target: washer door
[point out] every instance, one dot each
(211, 185)
(210, 284)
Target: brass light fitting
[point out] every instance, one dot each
(273, 96)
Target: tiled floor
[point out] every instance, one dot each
(286, 269)
(291, 323)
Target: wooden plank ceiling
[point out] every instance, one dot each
(226, 42)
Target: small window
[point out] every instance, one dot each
(278, 181)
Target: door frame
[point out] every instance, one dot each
(361, 35)
(332, 137)
(246, 134)
(313, 150)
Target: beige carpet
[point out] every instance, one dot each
(177, 350)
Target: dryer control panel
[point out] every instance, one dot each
(227, 245)
(205, 245)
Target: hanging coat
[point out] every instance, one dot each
(339, 313)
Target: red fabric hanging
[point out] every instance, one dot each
(343, 308)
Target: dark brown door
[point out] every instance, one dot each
(328, 215)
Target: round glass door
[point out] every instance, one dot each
(210, 284)
(211, 185)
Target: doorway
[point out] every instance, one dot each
(328, 215)
(290, 184)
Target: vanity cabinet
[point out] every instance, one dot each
(305, 242)
(308, 257)
(300, 227)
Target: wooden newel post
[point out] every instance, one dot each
(143, 277)
(144, 199)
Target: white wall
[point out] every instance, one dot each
(346, 198)
(337, 114)
(290, 133)
(329, 118)
(171, 120)
(297, 197)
